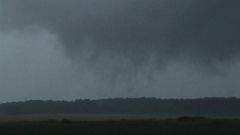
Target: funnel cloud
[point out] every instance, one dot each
(72, 49)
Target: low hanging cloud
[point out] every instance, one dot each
(205, 31)
(121, 46)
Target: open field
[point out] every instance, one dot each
(128, 126)
(130, 116)
(76, 117)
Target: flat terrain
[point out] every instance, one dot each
(76, 117)
(117, 126)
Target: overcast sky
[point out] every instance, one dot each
(70, 49)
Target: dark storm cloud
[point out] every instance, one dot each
(118, 48)
(203, 30)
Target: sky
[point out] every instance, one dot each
(71, 49)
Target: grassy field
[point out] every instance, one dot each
(170, 126)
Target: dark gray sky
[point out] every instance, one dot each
(68, 49)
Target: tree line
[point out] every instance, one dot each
(143, 106)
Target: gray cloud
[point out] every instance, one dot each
(206, 31)
(121, 45)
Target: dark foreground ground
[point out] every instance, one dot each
(173, 126)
